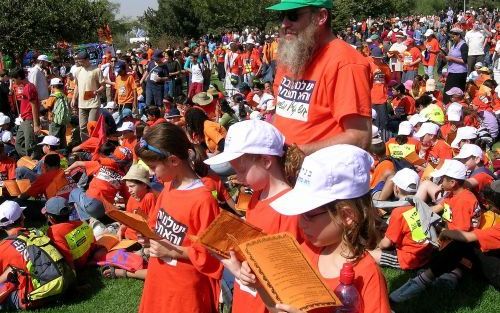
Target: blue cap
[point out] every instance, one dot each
(158, 55)
(56, 206)
(126, 112)
(120, 66)
(376, 52)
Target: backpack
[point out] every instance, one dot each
(399, 164)
(48, 272)
(61, 111)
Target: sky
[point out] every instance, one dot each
(134, 8)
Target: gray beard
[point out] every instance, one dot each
(295, 55)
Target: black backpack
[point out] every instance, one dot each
(399, 164)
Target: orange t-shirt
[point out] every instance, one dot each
(216, 186)
(446, 131)
(483, 180)
(439, 152)
(52, 183)
(251, 62)
(234, 62)
(379, 171)
(433, 46)
(219, 54)
(381, 77)
(404, 106)
(150, 53)
(214, 133)
(106, 183)
(411, 254)
(489, 239)
(410, 56)
(156, 122)
(142, 207)
(261, 215)
(184, 285)
(465, 210)
(368, 280)
(335, 84)
(130, 144)
(57, 234)
(125, 87)
(7, 168)
(12, 256)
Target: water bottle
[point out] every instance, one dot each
(347, 292)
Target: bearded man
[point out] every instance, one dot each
(322, 84)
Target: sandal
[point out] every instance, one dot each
(112, 272)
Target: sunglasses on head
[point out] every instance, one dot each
(292, 15)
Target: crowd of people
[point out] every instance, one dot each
(374, 147)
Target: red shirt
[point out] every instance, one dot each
(29, 95)
(130, 143)
(404, 106)
(335, 85)
(106, 183)
(483, 180)
(465, 210)
(11, 252)
(7, 168)
(368, 280)
(439, 152)
(142, 207)
(57, 233)
(216, 186)
(50, 184)
(489, 239)
(183, 285)
(261, 215)
(156, 122)
(411, 254)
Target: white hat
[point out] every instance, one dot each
(49, 140)
(454, 112)
(255, 115)
(469, 150)
(405, 128)
(10, 212)
(375, 132)
(250, 41)
(417, 118)
(6, 136)
(478, 64)
(4, 119)
(338, 172)
(405, 178)
(369, 40)
(251, 136)
(43, 57)
(56, 81)
(118, 51)
(430, 85)
(427, 128)
(374, 114)
(466, 132)
(126, 126)
(111, 105)
(429, 32)
(451, 168)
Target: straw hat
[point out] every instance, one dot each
(203, 98)
(139, 173)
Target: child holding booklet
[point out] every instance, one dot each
(331, 198)
(182, 276)
(254, 149)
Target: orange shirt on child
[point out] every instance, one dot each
(142, 207)
(125, 87)
(461, 210)
(438, 153)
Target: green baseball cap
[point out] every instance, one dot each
(286, 5)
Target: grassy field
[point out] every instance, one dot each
(123, 295)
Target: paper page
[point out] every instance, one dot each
(226, 232)
(107, 241)
(414, 159)
(124, 244)
(87, 95)
(134, 221)
(23, 184)
(26, 162)
(286, 274)
(243, 201)
(12, 187)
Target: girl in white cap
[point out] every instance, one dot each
(338, 222)
(254, 148)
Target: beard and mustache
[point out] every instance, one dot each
(296, 54)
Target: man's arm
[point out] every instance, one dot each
(357, 132)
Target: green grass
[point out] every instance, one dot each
(123, 295)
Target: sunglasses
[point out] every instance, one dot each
(292, 15)
(144, 145)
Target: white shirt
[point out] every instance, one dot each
(266, 102)
(394, 62)
(475, 41)
(37, 77)
(196, 73)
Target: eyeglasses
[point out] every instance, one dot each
(292, 15)
(144, 145)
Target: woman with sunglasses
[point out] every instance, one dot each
(182, 277)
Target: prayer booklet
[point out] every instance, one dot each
(414, 159)
(17, 187)
(111, 242)
(26, 162)
(226, 232)
(134, 221)
(286, 274)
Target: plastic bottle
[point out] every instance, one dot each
(347, 292)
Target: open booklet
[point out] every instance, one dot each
(277, 260)
(134, 221)
(111, 242)
(16, 187)
(26, 162)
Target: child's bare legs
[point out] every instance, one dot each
(428, 190)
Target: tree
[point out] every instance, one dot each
(428, 7)
(40, 24)
(344, 10)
